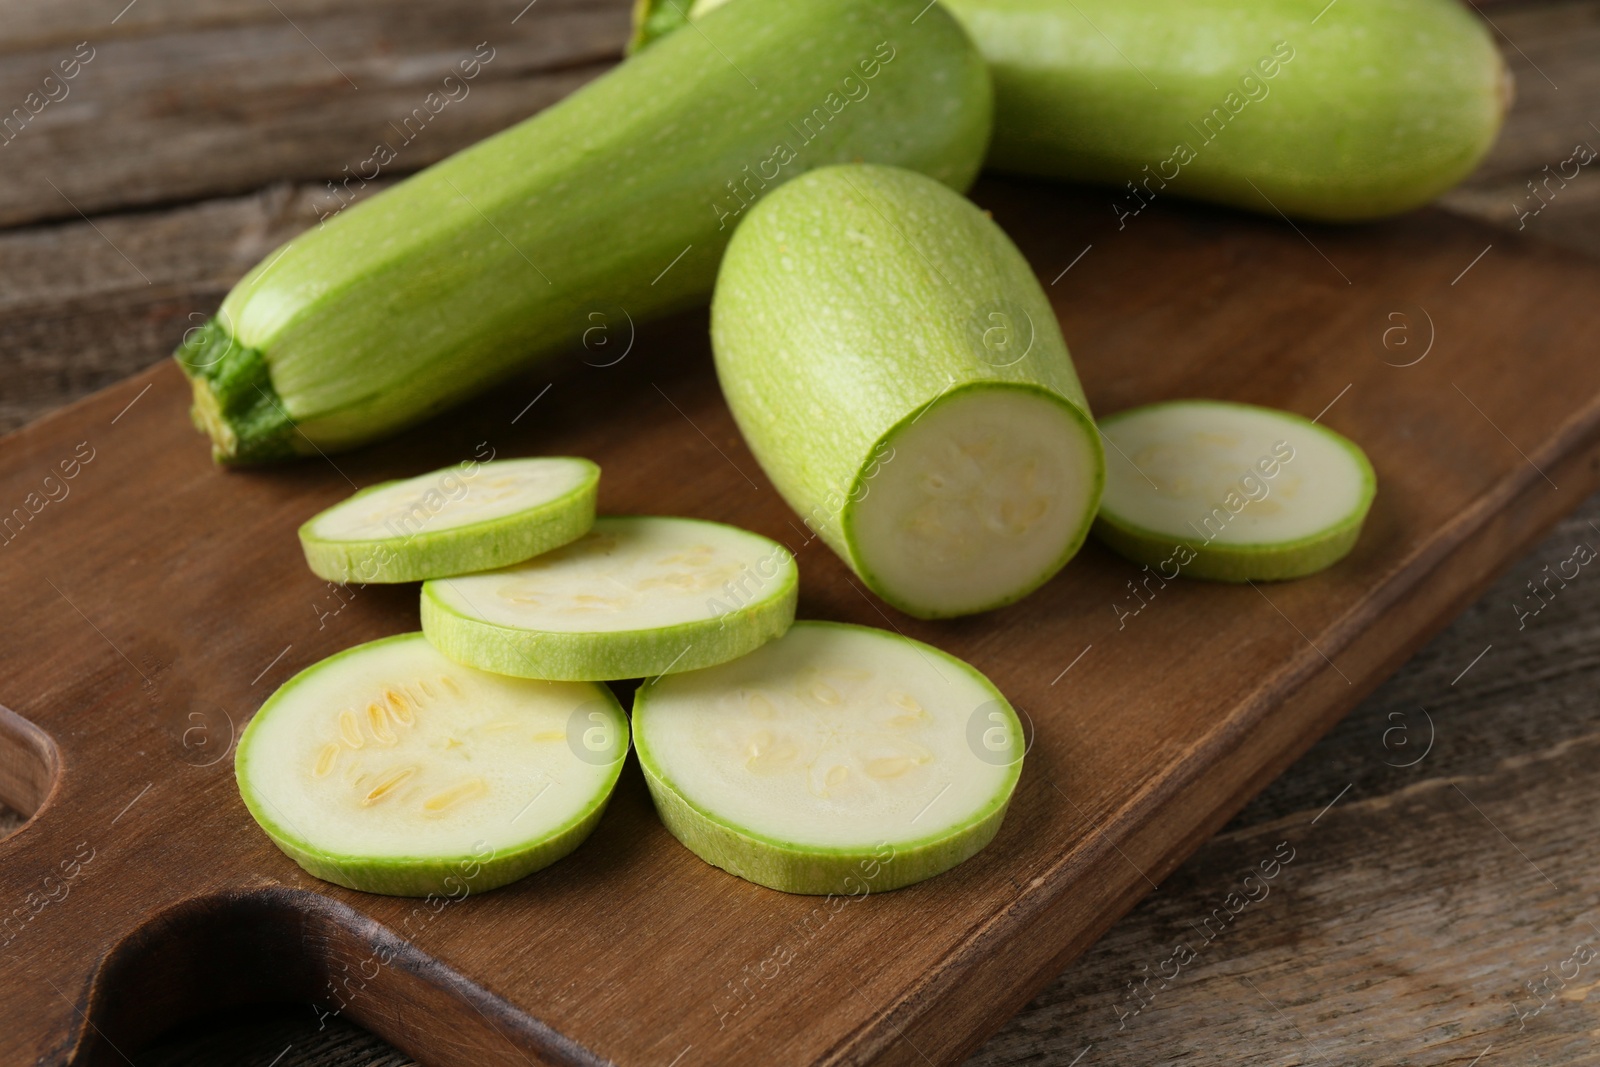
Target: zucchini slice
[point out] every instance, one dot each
(388, 768)
(1231, 492)
(635, 596)
(453, 521)
(901, 377)
(837, 759)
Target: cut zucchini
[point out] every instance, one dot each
(1231, 492)
(618, 199)
(901, 377)
(389, 769)
(633, 597)
(453, 521)
(837, 759)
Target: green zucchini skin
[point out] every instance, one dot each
(454, 876)
(451, 876)
(622, 195)
(1219, 561)
(421, 554)
(1377, 108)
(790, 868)
(850, 303)
(462, 633)
(810, 868)
(1238, 565)
(1335, 112)
(654, 19)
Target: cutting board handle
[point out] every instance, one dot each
(30, 764)
(280, 944)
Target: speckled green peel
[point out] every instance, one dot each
(472, 517)
(1231, 492)
(635, 597)
(653, 19)
(1338, 112)
(838, 759)
(1351, 111)
(900, 375)
(616, 202)
(386, 768)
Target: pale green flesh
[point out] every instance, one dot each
(453, 521)
(634, 597)
(977, 500)
(389, 768)
(1342, 111)
(1231, 491)
(834, 757)
(897, 370)
(615, 202)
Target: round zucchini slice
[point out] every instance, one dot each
(387, 768)
(1231, 492)
(635, 596)
(837, 759)
(453, 521)
(990, 491)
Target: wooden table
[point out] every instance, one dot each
(1442, 884)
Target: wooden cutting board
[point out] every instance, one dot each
(154, 601)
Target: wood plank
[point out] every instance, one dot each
(1532, 182)
(179, 101)
(1230, 691)
(175, 264)
(1570, 218)
(87, 305)
(1406, 915)
(1371, 918)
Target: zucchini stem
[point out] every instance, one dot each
(234, 401)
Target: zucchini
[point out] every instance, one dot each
(624, 194)
(633, 597)
(389, 769)
(452, 521)
(837, 759)
(900, 375)
(1231, 492)
(1334, 111)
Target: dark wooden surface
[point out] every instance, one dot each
(1402, 939)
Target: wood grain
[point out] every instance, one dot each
(1408, 925)
(1539, 695)
(140, 574)
(152, 270)
(1550, 49)
(188, 100)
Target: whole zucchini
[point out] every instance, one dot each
(900, 375)
(624, 194)
(1335, 111)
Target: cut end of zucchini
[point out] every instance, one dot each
(234, 401)
(1231, 492)
(389, 769)
(453, 521)
(634, 597)
(976, 500)
(837, 759)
